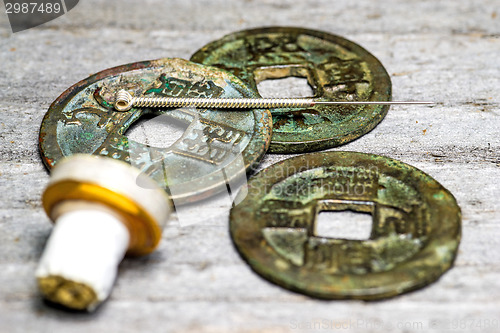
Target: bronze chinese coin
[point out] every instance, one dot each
(416, 226)
(217, 147)
(335, 68)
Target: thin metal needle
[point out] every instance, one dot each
(374, 102)
(125, 101)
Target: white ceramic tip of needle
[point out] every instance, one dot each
(84, 274)
(100, 214)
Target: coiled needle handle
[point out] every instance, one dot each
(125, 101)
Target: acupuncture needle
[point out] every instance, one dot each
(125, 101)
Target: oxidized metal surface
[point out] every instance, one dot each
(414, 238)
(334, 67)
(216, 148)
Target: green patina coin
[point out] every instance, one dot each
(414, 237)
(335, 68)
(216, 149)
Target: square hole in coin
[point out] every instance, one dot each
(159, 131)
(344, 224)
(288, 87)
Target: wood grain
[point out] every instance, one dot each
(444, 51)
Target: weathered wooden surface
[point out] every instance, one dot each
(445, 51)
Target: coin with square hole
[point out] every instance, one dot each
(214, 150)
(413, 239)
(336, 70)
